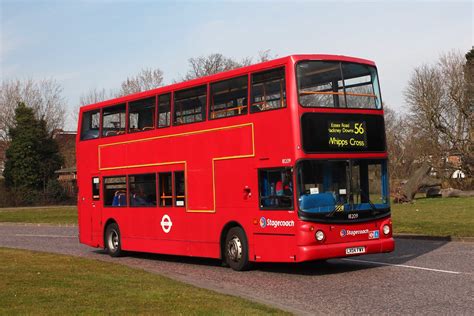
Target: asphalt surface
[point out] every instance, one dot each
(420, 277)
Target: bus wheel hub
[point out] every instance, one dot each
(234, 249)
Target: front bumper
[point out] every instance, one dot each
(322, 251)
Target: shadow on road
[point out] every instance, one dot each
(405, 251)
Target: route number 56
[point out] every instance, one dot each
(359, 129)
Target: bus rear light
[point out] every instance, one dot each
(386, 229)
(319, 235)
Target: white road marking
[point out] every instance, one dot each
(402, 266)
(48, 236)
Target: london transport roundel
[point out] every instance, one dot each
(166, 223)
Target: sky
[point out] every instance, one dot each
(97, 44)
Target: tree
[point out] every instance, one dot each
(146, 79)
(51, 159)
(22, 157)
(32, 156)
(436, 95)
(211, 64)
(44, 97)
(92, 96)
(469, 76)
(214, 63)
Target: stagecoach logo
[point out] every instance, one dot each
(344, 232)
(166, 223)
(264, 222)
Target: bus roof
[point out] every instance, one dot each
(224, 75)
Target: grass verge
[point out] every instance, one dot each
(435, 217)
(432, 217)
(41, 283)
(50, 215)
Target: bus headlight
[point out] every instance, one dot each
(386, 229)
(319, 235)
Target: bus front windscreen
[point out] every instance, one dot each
(343, 190)
(338, 85)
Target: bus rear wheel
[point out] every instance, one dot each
(113, 243)
(236, 249)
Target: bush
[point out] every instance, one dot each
(55, 193)
(15, 197)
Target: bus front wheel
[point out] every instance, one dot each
(236, 249)
(113, 243)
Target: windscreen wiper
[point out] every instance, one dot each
(375, 210)
(335, 210)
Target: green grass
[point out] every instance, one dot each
(435, 217)
(50, 215)
(40, 283)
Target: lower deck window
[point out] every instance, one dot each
(142, 189)
(165, 189)
(115, 191)
(276, 188)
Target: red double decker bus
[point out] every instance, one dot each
(282, 161)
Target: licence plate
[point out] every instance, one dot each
(355, 250)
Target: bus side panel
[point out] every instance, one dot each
(279, 248)
(237, 196)
(162, 246)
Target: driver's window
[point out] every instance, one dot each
(276, 188)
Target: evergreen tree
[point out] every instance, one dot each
(22, 158)
(33, 155)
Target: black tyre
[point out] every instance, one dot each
(236, 251)
(113, 243)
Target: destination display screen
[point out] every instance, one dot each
(323, 132)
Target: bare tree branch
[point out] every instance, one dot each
(436, 95)
(44, 96)
(146, 79)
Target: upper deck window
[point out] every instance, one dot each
(164, 110)
(268, 90)
(229, 98)
(113, 120)
(337, 84)
(90, 125)
(141, 115)
(190, 105)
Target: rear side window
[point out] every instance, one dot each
(113, 120)
(141, 115)
(95, 188)
(190, 105)
(179, 188)
(268, 90)
(115, 191)
(90, 125)
(229, 98)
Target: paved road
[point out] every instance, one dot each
(420, 277)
